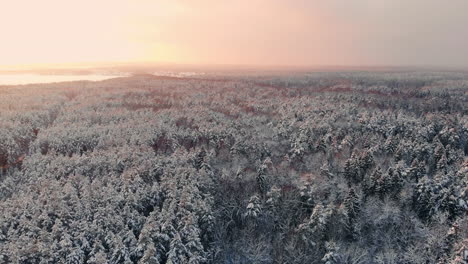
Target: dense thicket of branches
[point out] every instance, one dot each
(318, 168)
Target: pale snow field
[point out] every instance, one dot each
(14, 79)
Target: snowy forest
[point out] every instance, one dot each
(330, 167)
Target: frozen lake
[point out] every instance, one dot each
(13, 79)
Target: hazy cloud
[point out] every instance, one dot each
(293, 32)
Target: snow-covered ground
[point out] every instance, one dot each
(13, 79)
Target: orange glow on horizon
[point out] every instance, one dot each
(56, 32)
(246, 32)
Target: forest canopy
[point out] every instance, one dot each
(347, 167)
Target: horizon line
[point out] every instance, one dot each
(32, 67)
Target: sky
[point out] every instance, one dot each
(236, 32)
